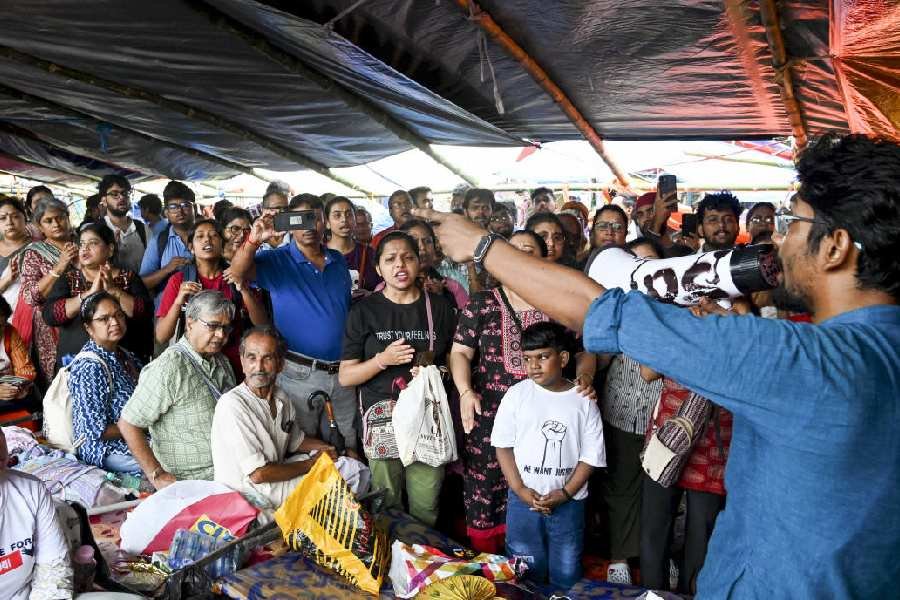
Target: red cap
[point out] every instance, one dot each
(645, 200)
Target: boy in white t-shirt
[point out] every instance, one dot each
(548, 438)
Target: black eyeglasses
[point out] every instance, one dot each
(119, 193)
(119, 316)
(606, 225)
(180, 206)
(784, 220)
(783, 223)
(217, 327)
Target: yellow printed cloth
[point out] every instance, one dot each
(323, 520)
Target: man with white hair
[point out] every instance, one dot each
(176, 395)
(258, 446)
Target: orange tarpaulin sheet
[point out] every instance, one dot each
(865, 46)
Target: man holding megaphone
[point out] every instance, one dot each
(813, 502)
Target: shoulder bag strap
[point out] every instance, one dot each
(213, 388)
(510, 309)
(96, 357)
(364, 255)
(142, 233)
(428, 314)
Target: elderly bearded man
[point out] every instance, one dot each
(258, 446)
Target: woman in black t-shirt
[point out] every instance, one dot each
(386, 334)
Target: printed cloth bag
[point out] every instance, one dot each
(423, 426)
(670, 443)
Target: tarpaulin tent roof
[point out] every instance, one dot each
(206, 89)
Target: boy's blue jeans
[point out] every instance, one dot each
(551, 545)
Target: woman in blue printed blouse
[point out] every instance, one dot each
(101, 380)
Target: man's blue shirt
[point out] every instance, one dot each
(813, 474)
(152, 261)
(157, 227)
(310, 305)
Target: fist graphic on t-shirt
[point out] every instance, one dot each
(554, 434)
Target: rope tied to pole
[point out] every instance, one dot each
(329, 25)
(485, 58)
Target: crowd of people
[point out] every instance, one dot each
(193, 347)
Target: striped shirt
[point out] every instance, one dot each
(628, 400)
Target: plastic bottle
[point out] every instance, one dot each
(84, 565)
(124, 480)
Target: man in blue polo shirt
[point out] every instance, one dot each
(310, 289)
(813, 497)
(167, 251)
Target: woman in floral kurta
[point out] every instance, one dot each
(485, 361)
(42, 264)
(487, 328)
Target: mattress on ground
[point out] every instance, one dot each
(284, 576)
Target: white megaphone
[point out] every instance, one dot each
(718, 275)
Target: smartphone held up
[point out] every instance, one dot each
(667, 186)
(304, 220)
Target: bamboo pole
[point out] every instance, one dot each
(76, 114)
(353, 101)
(783, 77)
(176, 106)
(487, 23)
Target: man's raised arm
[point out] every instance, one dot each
(561, 292)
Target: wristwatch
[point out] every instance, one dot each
(481, 250)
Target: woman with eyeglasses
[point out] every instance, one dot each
(98, 271)
(610, 228)
(209, 271)
(102, 378)
(340, 223)
(43, 264)
(13, 241)
(235, 222)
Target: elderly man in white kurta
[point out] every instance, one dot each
(258, 447)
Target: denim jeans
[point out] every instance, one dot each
(299, 381)
(550, 545)
(121, 463)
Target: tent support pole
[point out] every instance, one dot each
(294, 65)
(177, 107)
(783, 77)
(5, 90)
(487, 23)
